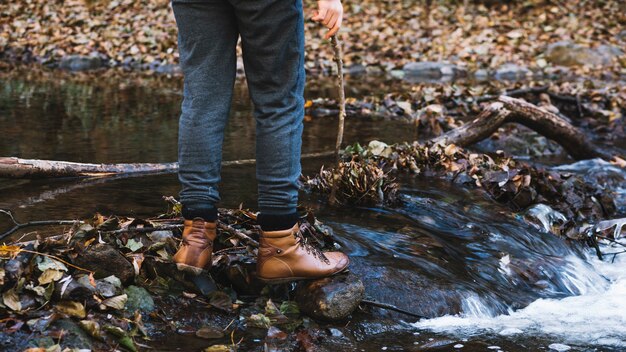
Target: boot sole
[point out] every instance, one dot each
(291, 279)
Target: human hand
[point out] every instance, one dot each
(330, 14)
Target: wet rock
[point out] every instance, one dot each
(107, 289)
(80, 63)
(73, 336)
(279, 341)
(78, 289)
(429, 70)
(105, 261)
(436, 345)
(481, 75)
(168, 69)
(356, 70)
(566, 53)
(323, 340)
(559, 347)
(511, 72)
(332, 298)
(138, 299)
(210, 332)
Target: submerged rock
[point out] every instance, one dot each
(566, 53)
(105, 261)
(331, 298)
(432, 70)
(511, 72)
(80, 63)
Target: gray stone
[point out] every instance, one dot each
(138, 299)
(429, 70)
(566, 53)
(80, 63)
(511, 72)
(356, 70)
(331, 298)
(481, 75)
(105, 261)
(74, 336)
(168, 69)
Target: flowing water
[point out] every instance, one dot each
(486, 279)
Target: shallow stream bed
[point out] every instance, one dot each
(488, 280)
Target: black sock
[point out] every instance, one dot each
(206, 212)
(276, 222)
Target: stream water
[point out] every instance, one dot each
(487, 279)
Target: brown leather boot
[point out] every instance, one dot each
(196, 250)
(283, 257)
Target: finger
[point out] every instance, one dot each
(332, 21)
(335, 28)
(329, 16)
(332, 32)
(320, 15)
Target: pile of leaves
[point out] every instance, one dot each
(378, 35)
(114, 279)
(367, 179)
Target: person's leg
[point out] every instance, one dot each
(272, 35)
(207, 37)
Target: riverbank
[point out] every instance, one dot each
(408, 39)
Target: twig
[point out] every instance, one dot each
(240, 235)
(19, 225)
(144, 229)
(391, 307)
(342, 115)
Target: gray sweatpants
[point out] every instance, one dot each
(272, 36)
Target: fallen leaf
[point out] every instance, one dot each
(50, 275)
(117, 302)
(72, 308)
(11, 300)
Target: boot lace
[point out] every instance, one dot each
(307, 244)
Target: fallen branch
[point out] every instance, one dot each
(391, 307)
(507, 110)
(19, 225)
(11, 167)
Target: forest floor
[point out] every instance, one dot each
(504, 40)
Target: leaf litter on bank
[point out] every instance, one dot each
(97, 304)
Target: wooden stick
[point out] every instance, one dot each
(19, 225)
(342, 116)
(392, 307)
(11, 167)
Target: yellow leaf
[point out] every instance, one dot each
(72, 308)
(9, 251)
(50, 275)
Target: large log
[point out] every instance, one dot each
(511, 110)
(11, 167)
